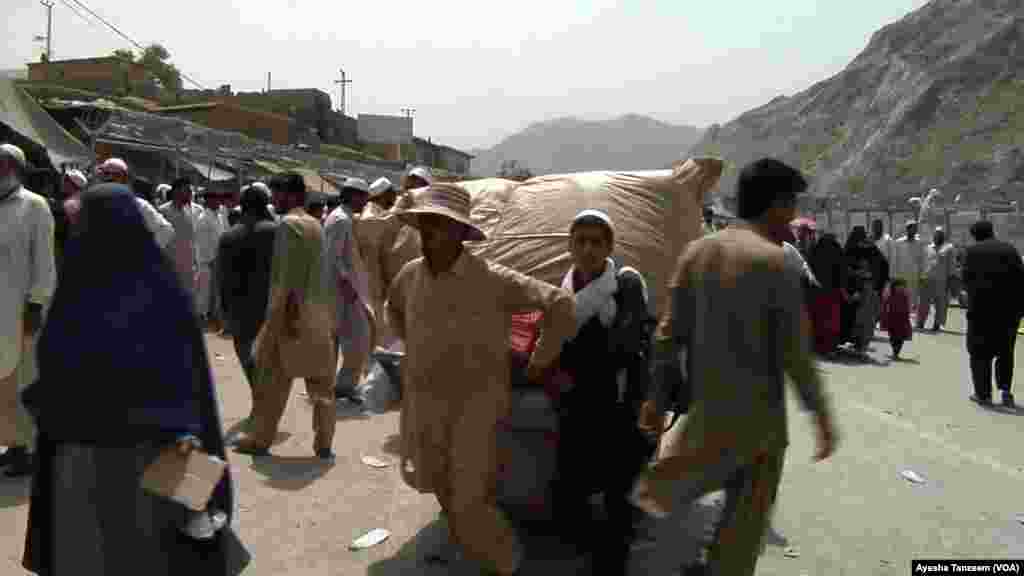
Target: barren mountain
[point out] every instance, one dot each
(935, 100)
(630, 142)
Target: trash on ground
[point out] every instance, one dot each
(370, 539)
(912, 476)
(792, 552)
(374, 462)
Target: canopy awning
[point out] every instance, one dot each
(317, 184)
(20, 113)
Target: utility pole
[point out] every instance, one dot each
(408, 112)
(48, 4)
(342, 83)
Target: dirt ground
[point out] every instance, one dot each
(855, 514)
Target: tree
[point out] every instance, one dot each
(155, 59)
(512, 170)
(126, 55)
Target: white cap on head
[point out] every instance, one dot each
(594, 214)
(261, 187)
(380, 186)
(163, 189)
(13, 152)
(356, 184)
(423, 173)
(114, 166)
(77, 178)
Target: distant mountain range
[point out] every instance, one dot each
(934, 100)
(630, 142)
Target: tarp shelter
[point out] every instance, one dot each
(211, 172)
(45, 142)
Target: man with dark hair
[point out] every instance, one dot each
(993, 274)
(245, 252)
(749, 335)
(296, 339)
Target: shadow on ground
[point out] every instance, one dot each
(236, 430)
(290, 472)
(547, 553)
(14, 492)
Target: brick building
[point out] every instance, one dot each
(110, 75)
(259, 124)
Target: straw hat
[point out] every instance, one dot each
(449, 200)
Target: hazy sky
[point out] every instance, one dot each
(477, 71)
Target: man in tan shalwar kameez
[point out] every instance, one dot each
(296, 339)
(736, 314)
(453, 311)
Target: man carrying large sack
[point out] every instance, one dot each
(453, 311)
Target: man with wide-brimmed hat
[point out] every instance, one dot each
(453, 310)
(29, 280)
(344, 268)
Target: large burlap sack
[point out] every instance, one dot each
(656, 213)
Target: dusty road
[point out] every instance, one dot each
(854, 514)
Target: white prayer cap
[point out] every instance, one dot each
(78, 178)
(13, 152)
(423, 173)
(114, 166)
(356, 184)
(380, 186)
(594, 214)
(261, 187)
(163, 189)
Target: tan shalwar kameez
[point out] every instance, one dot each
(309, 351)
(456, 387)
(736, 305)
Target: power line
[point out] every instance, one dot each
(128, 38)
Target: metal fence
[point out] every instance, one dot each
(1008, 226)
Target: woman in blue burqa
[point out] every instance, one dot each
(123, 375)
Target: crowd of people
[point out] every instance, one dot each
(102, 286)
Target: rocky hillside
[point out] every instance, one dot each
(630, 142)
(935, 100)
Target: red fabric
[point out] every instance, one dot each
(883, 323)
(896, 314)
(824, 312)
(525, 332)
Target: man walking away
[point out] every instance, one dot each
(245, 254)
(938, 267)
(601, 449)
(993, 275)
(736, 314)
(28, 281)
(344, 268)
(296, 339)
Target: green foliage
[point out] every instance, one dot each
(814, 154)
(126, 55)
(155, 59)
